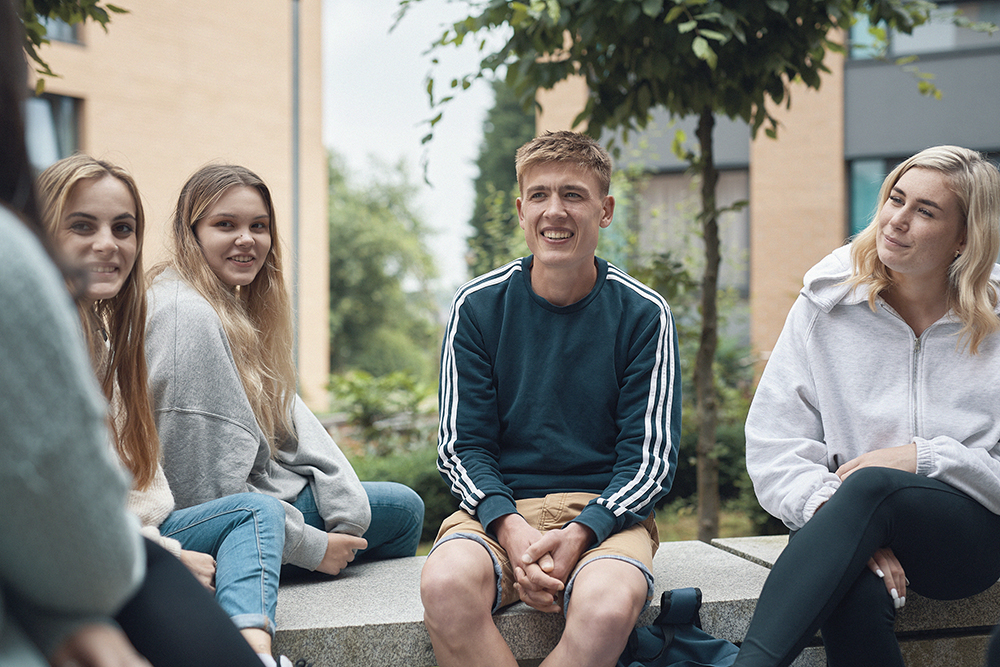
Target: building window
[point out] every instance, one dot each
(938, 35)
(866, 181)
(52, 128)
(667, 222)
(862, 43)
(60, 31)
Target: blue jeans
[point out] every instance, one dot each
(397, 520)
(245, 533)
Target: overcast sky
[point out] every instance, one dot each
(375, 104)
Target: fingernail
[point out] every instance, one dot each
(895, 598)
(881, 575)
(902, 602)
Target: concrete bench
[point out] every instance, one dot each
(372, 615)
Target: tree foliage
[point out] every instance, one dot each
(35, 13)
(684, 55)
(700, 58)
(383, 316)
(496, 237)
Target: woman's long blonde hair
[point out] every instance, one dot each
(121, 364)
(971, 295)
(256, 317)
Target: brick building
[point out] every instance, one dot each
(172, 86)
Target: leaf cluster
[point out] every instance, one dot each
(496, 237)
(728, 56)
(393, 412)
(34, 12)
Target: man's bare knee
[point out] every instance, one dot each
(458, 578)
(608, 593)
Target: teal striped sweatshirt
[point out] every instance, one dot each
(537, 399)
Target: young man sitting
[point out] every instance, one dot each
(560, 420)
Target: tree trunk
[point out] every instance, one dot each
(704, 375)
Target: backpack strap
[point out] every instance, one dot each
(680, 606)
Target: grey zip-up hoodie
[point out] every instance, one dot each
(843, 380)
(212, 444)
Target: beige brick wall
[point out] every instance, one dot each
(798, 201)
(174, 85)
(560, 105)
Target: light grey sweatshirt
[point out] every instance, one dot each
(69, 552)
(843, 380)
(212, 444)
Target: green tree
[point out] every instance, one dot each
(695, 58)
(496, 238)
(383, 316)
(35, 13)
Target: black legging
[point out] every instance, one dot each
(945, 541)
(173, 620)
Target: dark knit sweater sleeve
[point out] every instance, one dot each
(468, 445)
(649, 419)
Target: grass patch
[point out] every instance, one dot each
(679, 521)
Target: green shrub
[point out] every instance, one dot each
(416, 469)
(392, 413)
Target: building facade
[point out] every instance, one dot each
(172, 86)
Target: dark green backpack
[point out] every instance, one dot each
(675, 639)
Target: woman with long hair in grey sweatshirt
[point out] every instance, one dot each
(223, 384)
(874, 434)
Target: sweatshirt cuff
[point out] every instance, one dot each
(48, 629)
(168, 543)
(492, 508)
(311, 550)
(823, 494)
(599, 519)
(925, 457)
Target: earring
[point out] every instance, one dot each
(958, 253)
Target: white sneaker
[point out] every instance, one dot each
(270, 662)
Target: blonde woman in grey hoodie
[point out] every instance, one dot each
(874, 431)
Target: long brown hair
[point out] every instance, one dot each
(257, 317)
(121, 364)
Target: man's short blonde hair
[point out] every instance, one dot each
(565, 146)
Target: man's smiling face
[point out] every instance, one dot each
(562, 211)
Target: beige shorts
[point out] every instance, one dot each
(635, 545)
